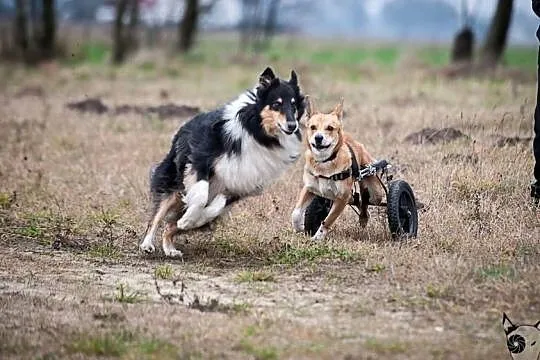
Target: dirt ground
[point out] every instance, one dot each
(73, 196)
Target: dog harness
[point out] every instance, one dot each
(353, 171)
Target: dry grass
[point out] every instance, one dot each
(73, 194)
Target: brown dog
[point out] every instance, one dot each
(330, 158)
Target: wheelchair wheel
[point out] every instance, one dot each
(401, 210)
(315, 214)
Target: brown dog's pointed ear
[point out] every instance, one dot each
(265, 79)
(310, 106)
(338, 110)
(507, 324)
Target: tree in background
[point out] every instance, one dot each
(21, 28)
(259, 23)
(270, 23)
(124, 38)
(133, 25)
(497, 35)
(49, 29)
(119, 38)
(462, 48)
(189, 24)
(35, 35)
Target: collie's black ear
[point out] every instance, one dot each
(294, 79)
(265, 79)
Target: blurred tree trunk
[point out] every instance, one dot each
(497, 34)
(133, 24)
(463, 46)
(119, 51)
(188, 26)
(49, 29)
(21, 27)
(462, 49)
(252, 24)
(270, 23)
(33, 29)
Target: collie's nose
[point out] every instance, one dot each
(318, 139)
(291, 126)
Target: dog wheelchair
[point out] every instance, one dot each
(401, 207)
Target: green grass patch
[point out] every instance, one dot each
(434, 56)
(91, 52)
(157, 349)
(5, 200)
(125, 295)
(105, 251)
(147, 66)
(164, 272)
(376, 268)
(259, 352)
(384, 56)
(437, 292)
(122, 344)
(386, 347)
(112, 345)
(253, 276)
(525, 58)
(106, 217)
(496, 272)
(292, 255)
(31, 230)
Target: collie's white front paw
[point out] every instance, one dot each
(186, 223)
(297, 220)
(320, 234)
(147, 246)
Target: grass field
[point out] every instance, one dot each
(73, 196)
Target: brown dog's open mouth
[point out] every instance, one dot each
(320, 146)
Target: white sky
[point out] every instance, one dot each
(483, 8)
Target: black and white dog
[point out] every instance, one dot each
(224, 155)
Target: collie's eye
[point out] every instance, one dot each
(313, 127)
(276, 106)
(330, 128)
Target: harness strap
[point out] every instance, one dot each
(353, 171)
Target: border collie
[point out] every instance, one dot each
(224, 155)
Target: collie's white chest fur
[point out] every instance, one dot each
(256, 165)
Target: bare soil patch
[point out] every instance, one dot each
(435, 136)
(166, 111)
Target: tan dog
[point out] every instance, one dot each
(328, 170)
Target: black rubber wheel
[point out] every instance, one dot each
(315, 214)
(401, 210)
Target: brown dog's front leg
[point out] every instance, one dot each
(297, 216)
(337, 208)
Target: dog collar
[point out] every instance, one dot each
(353, 171)
(332, 157)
